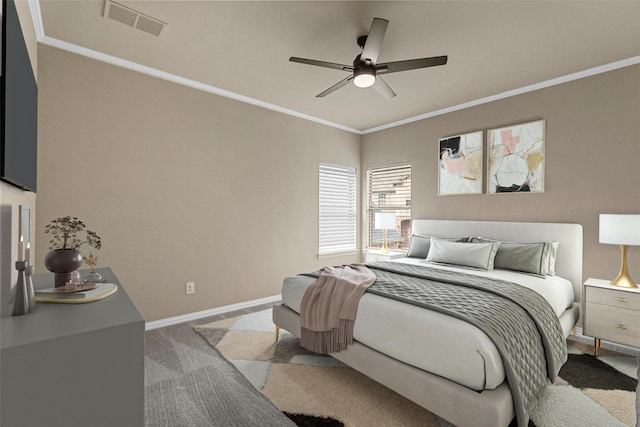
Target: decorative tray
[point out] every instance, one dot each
(78, 296)
(75, 287)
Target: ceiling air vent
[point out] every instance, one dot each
(133, 18)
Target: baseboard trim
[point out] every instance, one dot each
(211, 312)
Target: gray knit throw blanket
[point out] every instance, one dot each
(329, 306)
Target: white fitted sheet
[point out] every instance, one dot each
(435, 342)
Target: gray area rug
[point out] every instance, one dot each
(189, 384)
(590, 393)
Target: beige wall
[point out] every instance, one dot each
(592, 153)
(180, 184)
(11, 197)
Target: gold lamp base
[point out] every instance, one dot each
(385, 248)
(623, 280)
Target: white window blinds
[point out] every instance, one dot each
(337, 201)
(389, 190)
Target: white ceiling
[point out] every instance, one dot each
(243, 47)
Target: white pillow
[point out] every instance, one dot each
(477, 255)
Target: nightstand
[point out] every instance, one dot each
(371, 255)
(611, 313)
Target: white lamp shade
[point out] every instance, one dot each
(385, 220)
(620, 229)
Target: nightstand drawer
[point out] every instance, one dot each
(621, 326)
(613, 297)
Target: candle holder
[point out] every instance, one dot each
(21, 302)
(30, 292)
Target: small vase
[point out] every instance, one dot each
(64, 263)
(93, 277)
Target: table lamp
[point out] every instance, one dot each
(385, 221)
(623, 230)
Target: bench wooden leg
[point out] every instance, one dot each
(277, 332)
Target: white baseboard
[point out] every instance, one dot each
(212, 312)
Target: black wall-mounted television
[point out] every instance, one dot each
(19, 106)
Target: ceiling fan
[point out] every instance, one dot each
(365, 71)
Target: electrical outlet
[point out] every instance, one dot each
(190, 288)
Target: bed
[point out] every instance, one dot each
(444, 364)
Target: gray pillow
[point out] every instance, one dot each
(478, 255)
(419, 246)
(532, 258)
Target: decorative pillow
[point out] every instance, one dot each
(532, 258)
(553, 253)
(419, 246)
(478, 255)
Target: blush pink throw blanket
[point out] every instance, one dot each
(329, 306)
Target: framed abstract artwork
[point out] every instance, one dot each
(460, 164)
(515, 158)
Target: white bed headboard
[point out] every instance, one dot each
(569, 258)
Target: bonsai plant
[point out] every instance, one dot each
(64, 257)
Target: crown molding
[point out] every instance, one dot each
(36, 17)
(36, 14)
(154, 72)
(530, 88)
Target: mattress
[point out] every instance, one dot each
(431, 341)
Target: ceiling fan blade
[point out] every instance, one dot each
(410, 64)
(383, 88)
(335, 87)
(325, 64)
(373, 44)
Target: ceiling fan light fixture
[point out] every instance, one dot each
(364, 76)
(365, 65)
(364, 80)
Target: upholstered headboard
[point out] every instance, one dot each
(569, 258)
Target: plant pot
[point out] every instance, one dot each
(63, 262)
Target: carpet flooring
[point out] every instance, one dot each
(188, 384)
(590, 392)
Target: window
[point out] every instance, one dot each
(389, 190)
(337, 202)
